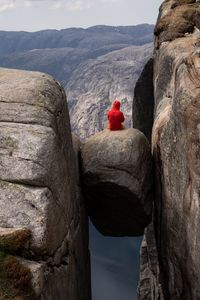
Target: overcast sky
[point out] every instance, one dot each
(32, 15)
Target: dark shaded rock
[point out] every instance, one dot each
(117, 175)
(149, 287)
(81, 236)
(143, 102)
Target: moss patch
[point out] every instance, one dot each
(15, 242)
(15, 279)
(182, 19)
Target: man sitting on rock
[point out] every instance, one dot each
(115, 117)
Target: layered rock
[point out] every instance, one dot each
(175, 145)
(39, 185)
(117, 178)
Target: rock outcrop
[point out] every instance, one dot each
(117, 178)
(39, 187)
(175, 146)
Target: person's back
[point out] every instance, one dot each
(115, 117)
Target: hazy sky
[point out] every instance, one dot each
(32, 15)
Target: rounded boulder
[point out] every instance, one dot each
(118, 181)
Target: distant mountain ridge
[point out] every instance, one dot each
(59, 52)
(90, 38)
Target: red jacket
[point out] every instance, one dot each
(115, 117)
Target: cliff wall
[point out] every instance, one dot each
(175, 147)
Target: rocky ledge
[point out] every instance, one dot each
(117, 178)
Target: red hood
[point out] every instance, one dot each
(116, 105)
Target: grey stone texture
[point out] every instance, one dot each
(149, 287)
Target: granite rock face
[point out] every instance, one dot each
(175, 146)
(176, 151)
(117, 178)
(39, 185)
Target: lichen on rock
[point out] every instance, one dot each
(14, 241)
(180, 19)
(15, 279)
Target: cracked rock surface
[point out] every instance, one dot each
(117, 178)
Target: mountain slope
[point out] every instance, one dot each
(59, 52)
(58, 62)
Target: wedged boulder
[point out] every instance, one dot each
(117, 178)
